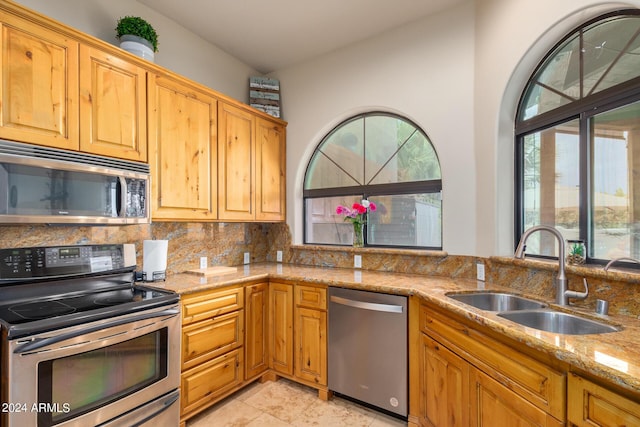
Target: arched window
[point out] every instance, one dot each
(578, 141)
(387, 160)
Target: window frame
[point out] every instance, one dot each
(583, 110)
(365, 191)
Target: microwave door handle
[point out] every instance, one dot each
(122, 205)
(39, 343)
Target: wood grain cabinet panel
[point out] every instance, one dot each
(270, 171)
(256, 335)
(39, 90)
(591, 405)
(444, 386)
(183, 151)
(209, 338)
(311, 345)
(209, 381)
(113, 106)
(236, 164)
(281, 327)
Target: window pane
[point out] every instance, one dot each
(323, 225)
(616, 188)
(611, 53)
(406, 220)
(385, 135)
(340, 156)
(557, 83)
(551, 185)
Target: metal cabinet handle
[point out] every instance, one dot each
(388, 308)
(39, 343)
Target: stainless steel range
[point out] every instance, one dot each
(82, 343)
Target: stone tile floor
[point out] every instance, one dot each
(285, 403)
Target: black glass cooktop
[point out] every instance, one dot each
(28, 309)
(16, 313)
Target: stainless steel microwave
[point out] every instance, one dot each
(48, 185)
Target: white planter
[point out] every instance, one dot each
(138, 46)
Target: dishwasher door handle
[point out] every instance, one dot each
(388, 308)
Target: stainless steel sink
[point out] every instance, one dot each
(495, 301)
(558, 322)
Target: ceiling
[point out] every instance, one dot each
(271, 35)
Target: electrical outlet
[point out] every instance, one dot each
(203, 262)
(278, 256)
(357, 261)
(480, 271)
(247, 258)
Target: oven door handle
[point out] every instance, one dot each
(39, 343)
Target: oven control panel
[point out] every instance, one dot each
(51, 261)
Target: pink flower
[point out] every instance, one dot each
(340, 210)
(372, 206)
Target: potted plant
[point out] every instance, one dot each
(137, 36)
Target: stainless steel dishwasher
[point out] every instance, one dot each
(368, 348)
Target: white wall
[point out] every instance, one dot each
(512, 36)
(423, 71)
(179, 49)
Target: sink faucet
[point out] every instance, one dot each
(562, 293)
(624, 258)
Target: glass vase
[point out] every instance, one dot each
(358, 234)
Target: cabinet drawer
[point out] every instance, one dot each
(209, 338)
(592, 405)
(207, 382)
(311, 297)
(208, 304)
(531, 379)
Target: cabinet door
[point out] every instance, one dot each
(591, 405)
(182, 144)
(444, 386)
(493, 404)
(209, 381)
(236, 163)
(257, 321)
(281, 327)
(270, 171)
(311, 345)
(39, 90)
(113, 106)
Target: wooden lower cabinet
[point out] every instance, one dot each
(467, 378)
(211, 380)
(212, 347)
(592, 405)
(444, 390)
(256, 348)
(311, 345)
(299, 333)
(281, 327)
(493, 404)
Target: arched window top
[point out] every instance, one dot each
(370, 149)
(597, 56)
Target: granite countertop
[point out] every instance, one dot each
(614, 357)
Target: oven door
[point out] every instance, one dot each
(95, 373)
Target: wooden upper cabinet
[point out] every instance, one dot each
(113, 110)
(236, 164)
(39, 90)
(182, 150)
(270, 171)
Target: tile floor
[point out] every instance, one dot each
(285, 403)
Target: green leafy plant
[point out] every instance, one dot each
(136, 26)
(577, 249)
